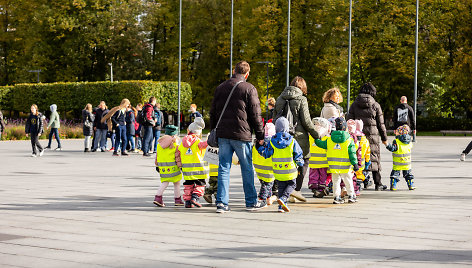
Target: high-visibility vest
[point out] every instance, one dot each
(213, 170)
(318, 157)
(168, 169)
(365, 151)
(283, 165)
(402, 157)
(262, 166)
(193, 166)
(338, 156)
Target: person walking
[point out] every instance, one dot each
(156, 129)
(404, 115)
(241, 117)
(130, 118)
(149, 120)
(2, 124)
(100, 128)
(466, 151)
(54, 124)
(332, 98)
(369, 111)
(87, 119)
(295, 96)
(35, 128)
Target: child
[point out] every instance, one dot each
(401, 153)
(365, 155)
(286, 155)
(263, 168)
(35, 128)
(318, 161)
(212, 184)
(189, 156)
(341, 153)
(166, 165)
(352, 128)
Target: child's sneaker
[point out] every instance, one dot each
(283, 205)
(280, 209)
(411, 185)
(195, 203)
(158, 201)
(178, 202)
(271, 200)
(41, 152)
(462, 157)
(208, 198)
(261, 203)
(318, 194)
(189, 204)
(358, 192)
(393, 184)
(338, 200)
(298, 195)
(352, 199)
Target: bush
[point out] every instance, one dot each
(439, 123)
(15, 130)
(72, 97)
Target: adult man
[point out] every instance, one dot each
(403, 114)
(100, 128)
(234, 132)
(156, 129)
(149, 122)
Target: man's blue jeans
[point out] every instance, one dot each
(100, 139)
(55, 132)
(156, 135)
(147, 139)
(243, 150)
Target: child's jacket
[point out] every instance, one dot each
(365, 156)
(191, 152)
(165, 159)
(401, 152)
(318, 157)
(262, 166)
(340, 151)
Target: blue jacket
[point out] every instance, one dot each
(281, 140)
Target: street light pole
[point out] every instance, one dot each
(288, 44)
(37, 73)
(111, 71)
(267, 103)
(180, 63)
(349, 58)
(416, 63)
(231, 42)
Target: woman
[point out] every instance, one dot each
(295, 96)
(270, 107)
(130, 118)
(369, 111)
(87, 119)
(116, 120)
(54, 124)
(331, 108)
(35, 128)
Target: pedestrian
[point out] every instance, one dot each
(100, 128)
(156, 129)
(286, 155)
(318, 174)
(149, 121)
(115, 120)
(342, 160)
(369, 111)
(189, 156)
(466, 151)
(54, 124)
(130, 118)
(404, 115)
(2, 124)
(35, 128)
(270, 107)
(193, 112)
(401, 155)
(362, 173)
(352, 129)
(241, 117)
(331, 99)
(167, 166)
(295, 96)
(138, 126)
(87, 120)
(212, 187)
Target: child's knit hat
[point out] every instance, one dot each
(340, 124)
(171, 130)
(332, 123)
(197, 126)
(281, 125)
(403, 130)
(351, 126)
(269, 130)
(322, 126)
(359, 127)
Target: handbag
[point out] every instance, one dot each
(212, 138)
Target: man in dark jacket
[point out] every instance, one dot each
(100, 128)
(149, 122)
(404, 114)
(2, 125)
(241, 117)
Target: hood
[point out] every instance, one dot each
(365, 100)
(167, 141)
(189, 140)
(406, 138)
(281, 140)
(339, 136)
(53, 108)
(290, 93)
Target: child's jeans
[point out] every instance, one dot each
(347, 179)
(193, 189)
(266, 189)
(286, 188)
(317, 179)
(395, 174)
(212, 185)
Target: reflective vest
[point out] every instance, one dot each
(193, 166)
(168, 169)
(402, 157)
(338, 156)
(365, 151)
(213, 170)
(262, 166)
(318, 157)
(283, 165)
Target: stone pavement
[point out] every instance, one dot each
(70, 209)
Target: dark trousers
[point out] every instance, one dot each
(55, 132)
(468, 149)
(35, 143)
(286, 188)
(147, 139)
(301, 174)
(377, 177)
(120, 136)
(266, 189)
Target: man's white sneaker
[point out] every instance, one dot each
(462, 157)
(33, 155)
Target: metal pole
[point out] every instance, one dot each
(111, 72)
(288, 44)
(349, 58)
(231, 43)
(180, 62)
(416, 63)
(267, 91)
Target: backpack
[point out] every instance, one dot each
(158, 118)
(287, 113)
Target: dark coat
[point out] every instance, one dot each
(130, 119)
(99, 113)
(301, 114)
(369, 111)
(404, 114)
(243, 114)
(87, 119)
(2, 123)
(39, 125)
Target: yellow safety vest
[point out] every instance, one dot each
(213, 170)
(168, 169)
(318, 157)
(338, 156)
(193, 166)
(284, 167)
(402, 157)
(262, 166)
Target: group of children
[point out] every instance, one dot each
(339, 162)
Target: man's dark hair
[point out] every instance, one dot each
(242, 67)
(151, 99)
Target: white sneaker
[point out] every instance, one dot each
(41, 153)
(298, 195)
(271, 200)
(462, 157)
(58, 149)
(33, 155)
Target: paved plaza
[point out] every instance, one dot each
(70, 209)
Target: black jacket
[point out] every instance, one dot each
(119, 118)
(404, 114)
(2, 123)
(99, 113)
(87, 119)
(130, 119)
(39, 125)
(243, 114)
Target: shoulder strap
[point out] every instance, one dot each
(226, 104)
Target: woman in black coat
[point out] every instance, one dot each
(369, 111)
(87, 119)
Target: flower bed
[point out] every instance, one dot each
(15, 130)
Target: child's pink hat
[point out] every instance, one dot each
(269, 130)
(351, 126)
(359, 127)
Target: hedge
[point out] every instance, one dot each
(72, 97)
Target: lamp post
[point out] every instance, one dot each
(266, 62)
(180, 63)
(288, 44)
(111, 71)
(37, 73)
(416, 63)
(231, 42)
(349, 58)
